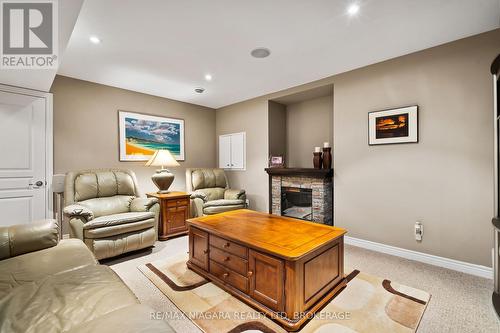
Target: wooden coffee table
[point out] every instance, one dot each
(285, 267)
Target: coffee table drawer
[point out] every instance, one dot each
(230, 277)
(229, 260)
(229, 246)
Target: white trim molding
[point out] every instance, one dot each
(456, 265)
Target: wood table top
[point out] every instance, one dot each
(285, 237)
(169, 195)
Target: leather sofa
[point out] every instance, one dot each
(210, 192)
(50, 286)
(104, 211)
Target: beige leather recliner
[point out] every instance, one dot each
(52, 286)
(104, 211)
(210, 192)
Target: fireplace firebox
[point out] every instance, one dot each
(303, 193)
(296, 202)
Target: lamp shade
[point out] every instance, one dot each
(162, 158)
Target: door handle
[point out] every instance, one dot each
(37, 184)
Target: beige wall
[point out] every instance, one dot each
(250, 117)
(446, 180)
(308, 125)
(86, 129)
(277, 129)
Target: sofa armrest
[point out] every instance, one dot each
(199, 195)
(231, 194)
(197, 207)
(23, 238)
(72, 211)
(142, 204)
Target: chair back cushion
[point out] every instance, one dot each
(104, 191)
(108, 205)
(205, 178)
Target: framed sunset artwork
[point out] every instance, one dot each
(393, 126)
(142, 134)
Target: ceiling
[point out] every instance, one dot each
(165, 47)
(41, 79)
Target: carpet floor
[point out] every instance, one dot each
(459, 302)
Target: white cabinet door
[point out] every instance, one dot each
(238, 151)
(225, 151)
(23, 192)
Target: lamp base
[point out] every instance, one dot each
(163, 179)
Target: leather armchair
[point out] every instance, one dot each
(210, 192)
(47, 285)
(105, 211)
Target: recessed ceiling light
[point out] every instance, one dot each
(94, 39)
(199, 90)
(353, 9)
(208, 77)
(260, 52)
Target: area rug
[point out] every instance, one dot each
(367, 304)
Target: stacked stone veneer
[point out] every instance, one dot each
(322, 196)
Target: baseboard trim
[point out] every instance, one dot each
(456, 265)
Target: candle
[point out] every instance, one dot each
(326, 144)
(317, 149)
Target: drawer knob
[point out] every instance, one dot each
(226, 245)
(225, 275)
(226, 259)
(205, 251)
(250, 273)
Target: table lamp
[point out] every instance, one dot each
(162, 178)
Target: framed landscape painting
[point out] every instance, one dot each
(393, 126)
(141, 135)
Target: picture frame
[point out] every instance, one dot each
(277, 161)
(140, 135)
(393, 126)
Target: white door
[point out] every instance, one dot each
(23, 145)
(225, 151)
(238, 151)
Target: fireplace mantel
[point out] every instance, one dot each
(307, 172)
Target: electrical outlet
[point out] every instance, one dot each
(419, 231)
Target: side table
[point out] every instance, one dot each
(174, 211)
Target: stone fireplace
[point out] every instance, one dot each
(302, 193)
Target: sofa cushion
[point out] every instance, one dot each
(69, 254)
(219, 206)
(64, 300)
(214, 193)
(115, 245)
(116, 219)
(108, 206)
(206, 178)
(118, 229)
(131, 319)
(223, 202)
